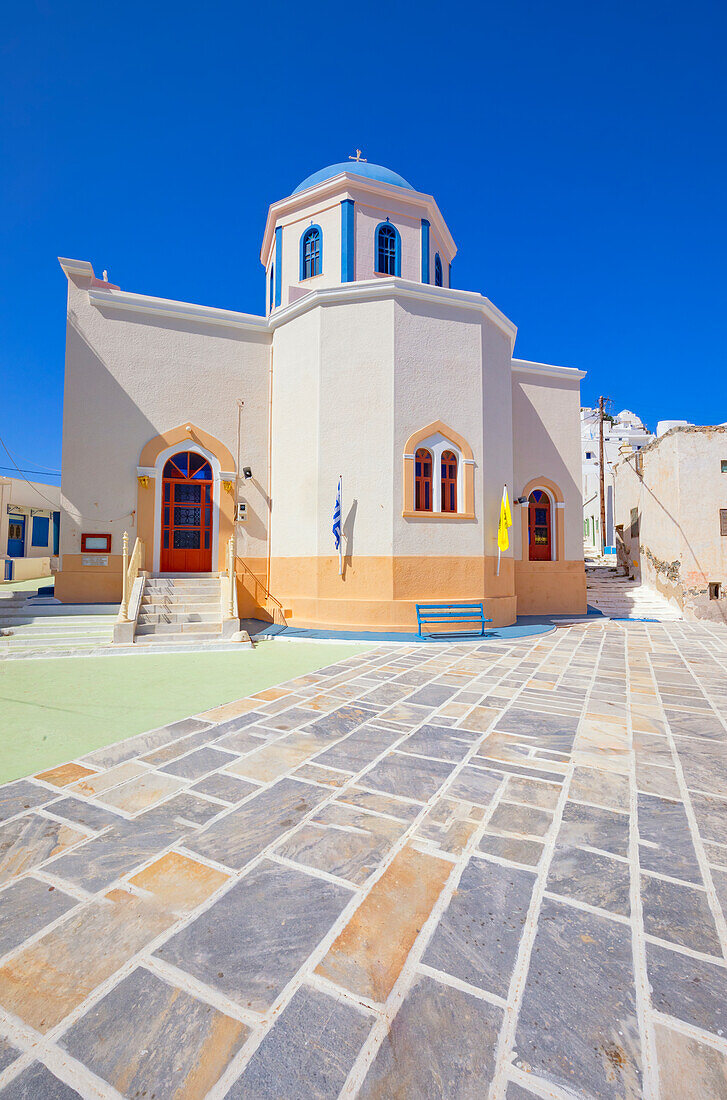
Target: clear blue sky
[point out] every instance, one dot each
(577, 152)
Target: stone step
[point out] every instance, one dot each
(179, 592)
(176, 631)
(178, 617)
(179, 628)
(193, 603)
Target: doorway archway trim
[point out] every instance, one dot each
(176, 448)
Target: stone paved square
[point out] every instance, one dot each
(461, 870)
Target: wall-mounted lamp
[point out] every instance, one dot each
(227, 486)
(143, 481)
(521, 500)
(246, 472)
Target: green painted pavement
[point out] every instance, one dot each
(58, 710)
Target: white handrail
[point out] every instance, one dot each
(130, 571)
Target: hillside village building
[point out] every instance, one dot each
(625, 432)
(185, 424)
(671, 518)
(29, 528)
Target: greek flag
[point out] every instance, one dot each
(337, 518)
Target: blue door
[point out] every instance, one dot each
(16, 536)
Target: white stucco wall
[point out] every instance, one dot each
(547, 442)
(130, 377)
(27, 499)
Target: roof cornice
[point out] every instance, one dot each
(525, 366)
(175, 311)
(349, 181)
(368, 290)
(76, 267)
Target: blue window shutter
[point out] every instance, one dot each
(347, 241)
(56, 531)
(39, 532)
(425, 250)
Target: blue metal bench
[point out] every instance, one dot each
(441, 614)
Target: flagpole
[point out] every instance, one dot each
(340, 541)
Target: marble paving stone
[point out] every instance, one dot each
(380, 803)
(313, 773)
(544, 795)
(226, 712)
(43, 982)
(433, 695)
(711, 815)
(684, 724)
(243, 741)
(442, 1043)
(38, 1083)
(475, 785)
(170, 1043)
(26, 907)
(308, 1053)
(276, 759)
(685, 1063)
(141, 793)
(517, 1092)
(101, 860)
(448, 826)
(339, 722)
(342, 841)
(225, 786)
(552, 730)
(407, 775)
(64, 774)
(28, 841)
(235, 725)
(704, 764)
(451, 745)
(604, 788)
(716, 854)
(665, 843)
(689, 989)
(80, 812)
(512, 848)
(509, 817)
(199, 763)
(359, 748)
(719, 878)
(680, 914)
(596, 827)
(143, 742)
(8, 1054)
(175, 749)
(515, 769)
(386, 694)
(103, 781)
(581, 959)
(243, 833)
(180, 812)
(656, 780)
(479, 719)
(289, 719)
(178, 882)
(369, 953)
(253, 939)
(587, 876)
(407, 715)
(478, 935)
(15, 798)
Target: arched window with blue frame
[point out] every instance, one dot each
(387, 249)
(311, 252)
(438, 278)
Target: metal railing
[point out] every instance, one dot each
(268, 602)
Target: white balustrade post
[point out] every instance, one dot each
(231, 574)
(125, 578)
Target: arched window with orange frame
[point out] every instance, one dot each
(423, 480)
(449, 481)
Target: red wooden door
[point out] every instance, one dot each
(539, 525)
(186, 515)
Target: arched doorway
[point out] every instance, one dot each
(539, 526)
(186, 545)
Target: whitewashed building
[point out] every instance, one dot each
(625, 432)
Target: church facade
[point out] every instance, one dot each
(186, 425)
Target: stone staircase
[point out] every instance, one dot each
(32, 625)
(619, 597)
(179, 608)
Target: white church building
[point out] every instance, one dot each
(186, 425)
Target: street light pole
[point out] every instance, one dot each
(602, 479)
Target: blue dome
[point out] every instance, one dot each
(357, 168)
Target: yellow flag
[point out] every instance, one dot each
(503, 540)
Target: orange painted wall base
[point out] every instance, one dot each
(79, 583)
(550, 587)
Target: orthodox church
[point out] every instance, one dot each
(188, 426)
